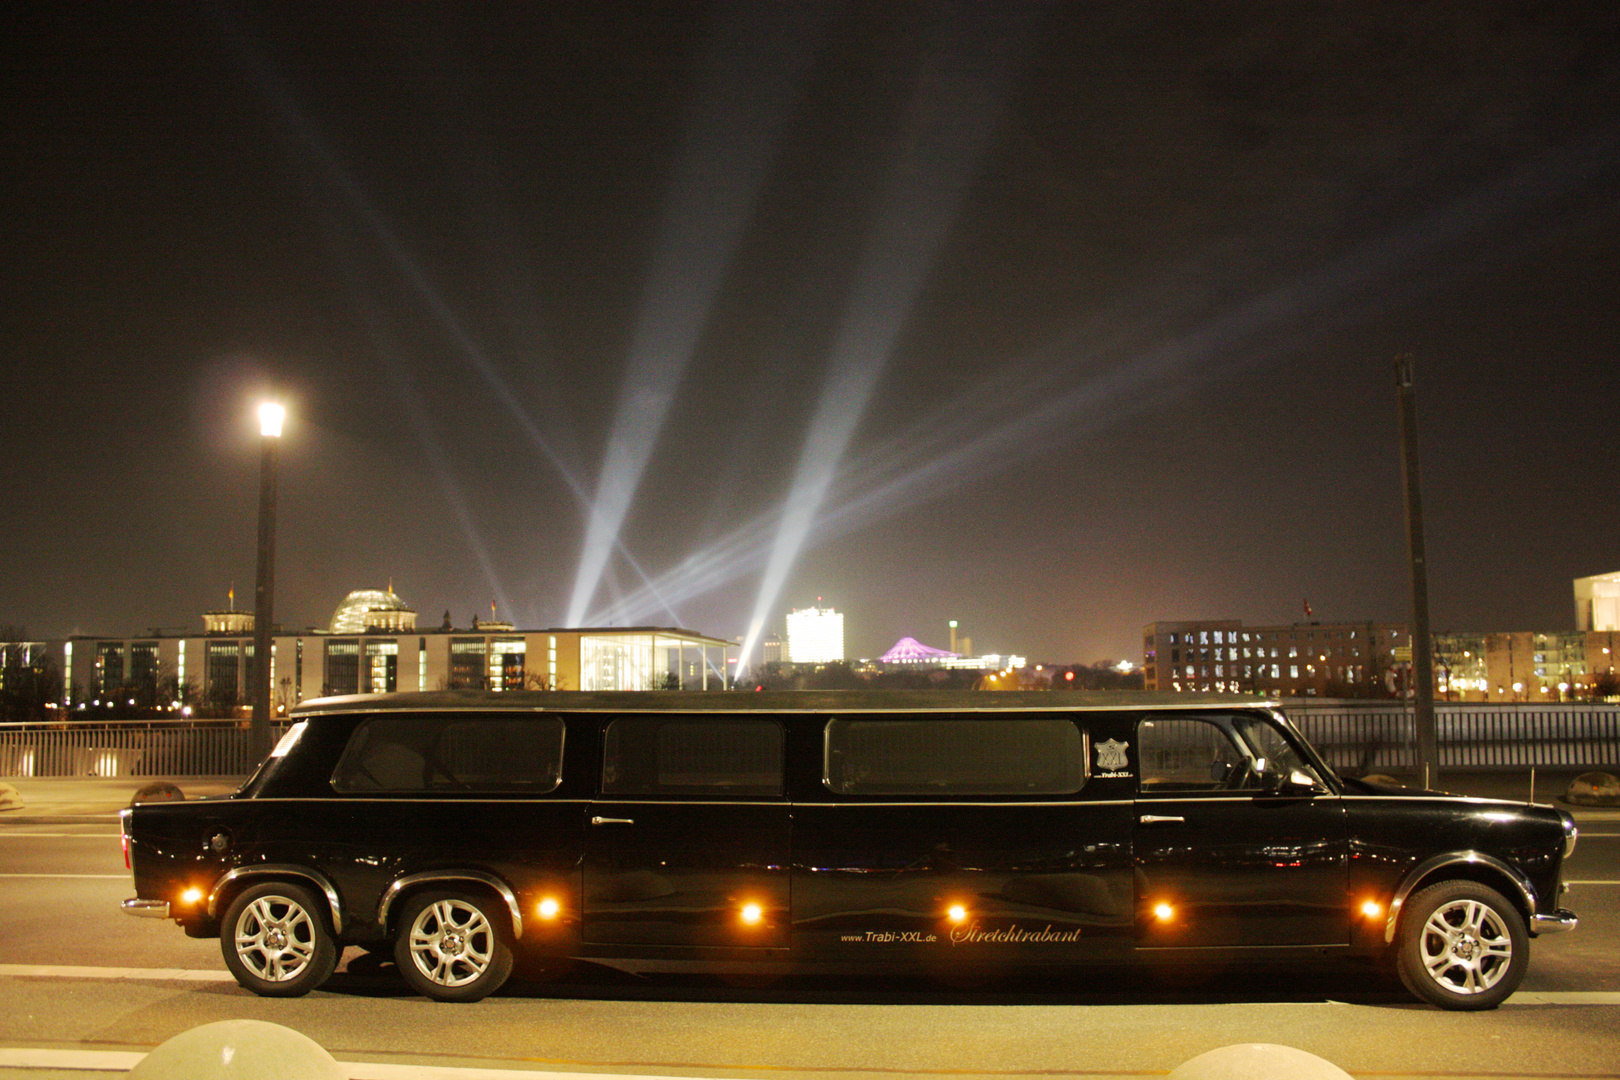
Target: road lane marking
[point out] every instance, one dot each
(1592, 883)
(106, 877)
(8, 834)
(123, 1061)
(65, 971)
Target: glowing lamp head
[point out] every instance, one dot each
(191, 896)
(1163, 911)
(752, 914)
(1371, 909)
(956, 913)
(270, 417)
(548, 908)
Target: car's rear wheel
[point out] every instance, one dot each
(1461, 945)
(453, 946)
(275, 940)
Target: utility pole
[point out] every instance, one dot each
(1422, 647)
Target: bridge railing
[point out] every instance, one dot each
(128, 748)
(1354, 736)
(1379, 736)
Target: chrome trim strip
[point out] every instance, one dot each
(902, 801)
(1526, 891)
(1556, 923)
(280, 870)
(146, 909)
(350, 704)
(402, 798)
(1250, 796)
(409, 880)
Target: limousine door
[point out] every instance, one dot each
(688, 843)
(1222, 861)
(959, 843)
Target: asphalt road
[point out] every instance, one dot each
(60, 885)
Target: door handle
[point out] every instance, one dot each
(1161, 819)
(612, 821)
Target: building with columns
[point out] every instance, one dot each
(374, 646)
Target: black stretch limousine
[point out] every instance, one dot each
(942, 833)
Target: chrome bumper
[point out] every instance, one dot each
(146, 909)
(1555, 923)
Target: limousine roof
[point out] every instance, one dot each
(786, 701)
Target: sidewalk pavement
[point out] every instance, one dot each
(62, 799)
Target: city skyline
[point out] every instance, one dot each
(1054, 319)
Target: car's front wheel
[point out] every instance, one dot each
(453, 946)
(1461, 945)
(275, 940)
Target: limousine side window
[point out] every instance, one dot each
(1179, 753)
(452, 753)
(1009, 756)
(657, 755)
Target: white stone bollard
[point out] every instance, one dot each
(239, 1050)
(1258, 1061)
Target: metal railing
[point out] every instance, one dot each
(1378, 736)
(128, 748)
(1354, 736)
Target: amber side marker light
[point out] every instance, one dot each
(1163, 912)
(1371, 909)
(191, 896)
(751, 914)
(548, 908)
(956, 913)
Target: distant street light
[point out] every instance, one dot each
(271, 416)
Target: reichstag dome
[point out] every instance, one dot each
(372, 609)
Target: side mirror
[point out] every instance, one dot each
(1297, 784)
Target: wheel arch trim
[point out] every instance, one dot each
(434, 877)
(281, 870)
(1523, 891)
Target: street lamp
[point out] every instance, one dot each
(271, 416)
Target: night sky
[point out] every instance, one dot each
(1054, 320)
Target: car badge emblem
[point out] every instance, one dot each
(1111, 755)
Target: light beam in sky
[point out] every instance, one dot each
(745, 92)
(337, 176)
(955, 107)
(1095, 376)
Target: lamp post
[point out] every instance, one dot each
(1428, 750)
(270, 418)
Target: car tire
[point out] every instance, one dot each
(453, 946)
(275, 940)
(1461, 945)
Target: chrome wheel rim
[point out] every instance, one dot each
(275, 938)
(1466, 947)
(452, 942)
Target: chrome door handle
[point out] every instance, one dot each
(1160, 819)
(612, 821)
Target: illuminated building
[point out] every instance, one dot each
(1597, 602)
(910, 652)
(373, 646)
(815, 636)
(372, 609)
(1371, 660)
(1302, 659)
